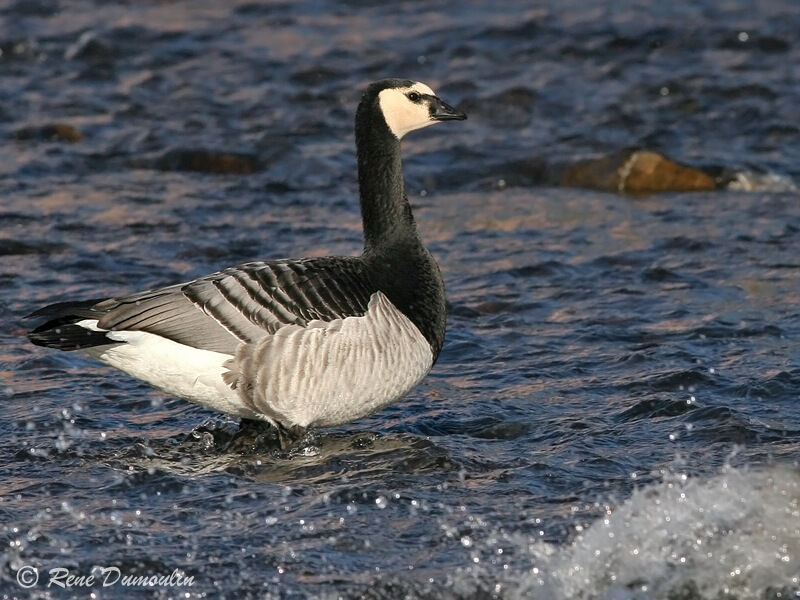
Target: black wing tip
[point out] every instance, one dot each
(60, 335)
(78, 309)
(61, 331)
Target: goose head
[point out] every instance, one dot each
(408, 105)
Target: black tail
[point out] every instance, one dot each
(60, 330)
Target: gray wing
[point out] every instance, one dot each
(244, 303)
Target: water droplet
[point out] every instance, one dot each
(62, 443)
(381, 502)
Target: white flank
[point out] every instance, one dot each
(330, 373)
(401, 114)
(179, 370)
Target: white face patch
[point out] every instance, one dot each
(401, 114)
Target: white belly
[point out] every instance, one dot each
(179, 370)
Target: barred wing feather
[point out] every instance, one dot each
(245, 303)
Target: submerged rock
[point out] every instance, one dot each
(89, 47)
(634, 172)
(55, 132)
(206, 161)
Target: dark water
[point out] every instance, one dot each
(615, 414)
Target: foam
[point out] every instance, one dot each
(737, 533)
(750, 181)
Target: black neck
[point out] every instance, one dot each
(400, 266)
(384, 206)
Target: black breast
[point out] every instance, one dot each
(408, 275)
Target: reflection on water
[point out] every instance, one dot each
(599, 347)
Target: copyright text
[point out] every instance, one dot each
(61, 577)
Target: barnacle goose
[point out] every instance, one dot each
(296, 343)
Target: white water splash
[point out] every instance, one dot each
(736, 535)
(748, 181)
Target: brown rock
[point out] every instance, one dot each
(56, 132)
(597, 174)
(635, 172)
(647, 172)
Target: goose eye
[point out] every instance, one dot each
(414, 97)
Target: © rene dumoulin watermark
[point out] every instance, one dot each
(61, 577)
